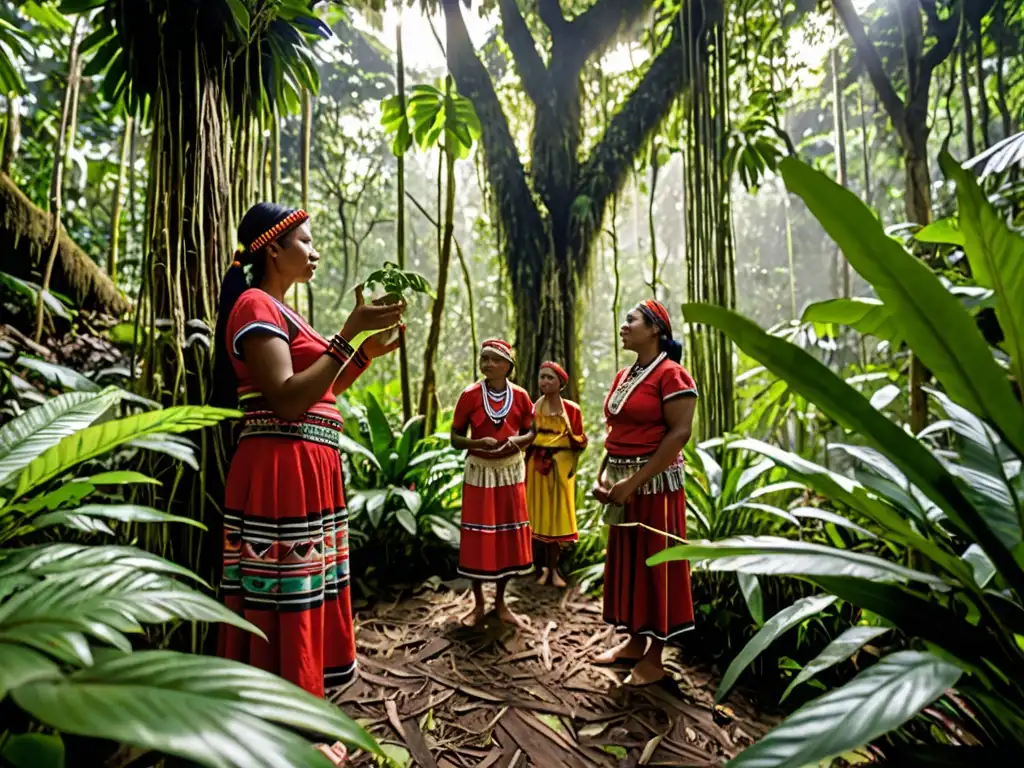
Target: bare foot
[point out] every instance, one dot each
(506, 615)
(542, 580)
(474, 618)
(646, 672)
(557, 581)
(629, 650)
(336, 752)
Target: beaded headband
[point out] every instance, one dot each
(655, 312)
(558, 370)
(500, 348)
(289, 222)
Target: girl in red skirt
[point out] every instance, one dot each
(285, 525)
(495, 538)
(649, 412)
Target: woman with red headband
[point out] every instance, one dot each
(285, 526)
(649, 412)
(493, 420)
(551, 470)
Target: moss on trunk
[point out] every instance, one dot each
(25, 245)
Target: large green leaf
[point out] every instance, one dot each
(42, 427)
(381, 436)
(753, 596)
(772, 555)
(777, 625)
(33, 750)
(212, 711)
(840, 649)
(20, 664)
(354, 448)
(82, 518)
(936, 326)
(843, 403)
(878, 700)
(100, 438)
(996, 255)
(868, 316)
(49, 559)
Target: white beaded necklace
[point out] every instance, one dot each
(629, 383)
(504, 399)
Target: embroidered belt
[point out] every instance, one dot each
(495, 473)
(312, 427)
(672, 479)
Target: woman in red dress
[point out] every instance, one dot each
(493, 421)
(285, 525)
(649, 412)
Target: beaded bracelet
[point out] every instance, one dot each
(360, 358)
(340, 349)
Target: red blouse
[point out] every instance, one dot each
(258, 312)
(639, 426)
(470, 414)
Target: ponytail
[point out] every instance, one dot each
(672, 348)
(225, 383)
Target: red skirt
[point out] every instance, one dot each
(495, 533)
(286, 563)
(642, 599)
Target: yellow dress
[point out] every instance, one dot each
(551, 474)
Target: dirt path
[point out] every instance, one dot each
(455, 697)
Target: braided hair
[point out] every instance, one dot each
(257, 228)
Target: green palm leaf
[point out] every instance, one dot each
(42, 427)
(876, 701)
(763, 555)
(996, 255)
(212, 711)
(93, 441)
(50, 559)
(840, 649)
(933, 321)
(85, 518)
(775, 627)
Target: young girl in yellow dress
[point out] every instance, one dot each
(551, 470)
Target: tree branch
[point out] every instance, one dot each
(873, 63)
(945, 33)
(604, 172)
(550, 12)
(528, 63)
(596, 27)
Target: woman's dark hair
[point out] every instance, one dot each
(670, 346)
(258, 220)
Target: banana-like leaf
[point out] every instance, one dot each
(33, 750)
(126, 513)
(214, 712)
(776, 626)
(412, 433)
(936, 326)
(178, 448)
(771, 555)
(381, 436)
(43, 426)
(865, 315)
(753, 596)
(813, 513)
(843, 403)
(353, 448)
(766, 508)
(996, 255)
(840, 649)
(98, 439)
(20, 665)
(878, 700)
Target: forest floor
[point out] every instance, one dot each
(456, 697)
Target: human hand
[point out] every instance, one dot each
(378, 344)
(621, 491)
(600, 493)
(371, 317)
(488, 443)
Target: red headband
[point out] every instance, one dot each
(500, 348)
(558, 370)
(289, 222)
(657, 313)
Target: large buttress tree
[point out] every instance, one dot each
(550, 209)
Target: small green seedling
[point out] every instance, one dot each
(397, 282)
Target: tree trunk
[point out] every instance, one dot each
(842, 266)
(65, 136)
(403, 351)
(25, 243)
(979, 65)
(12, 134)
(965, 94)
(1001, 95)
(115, 217)
(428, 395)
